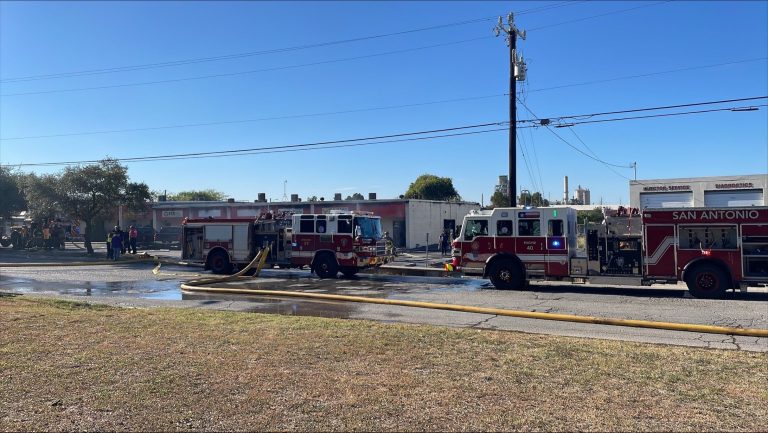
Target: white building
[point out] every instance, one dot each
(719, 191)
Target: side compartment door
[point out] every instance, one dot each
(240, 247)
(660, 251)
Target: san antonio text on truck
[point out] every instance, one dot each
(343, 242)
(711, 250)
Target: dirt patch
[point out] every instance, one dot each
(72, 367)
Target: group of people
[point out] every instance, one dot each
(119, 241)
(48, 235)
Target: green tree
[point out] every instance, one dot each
(42, 195)
(355, 196)
(535, 199)
(499, 199)
(11, 193)
(94, 192)
(431, 187)
(594, 216)
(202, 195)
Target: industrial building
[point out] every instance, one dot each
(410, 223)
(719, 191)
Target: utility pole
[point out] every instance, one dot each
(517, 71)
(634, 165)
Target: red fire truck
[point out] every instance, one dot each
(710, 249)
(327, 243)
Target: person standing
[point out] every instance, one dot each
(133, 235)
(444, 241)
(47, 237)
(109, 244)
(117, 243)
(123, 240)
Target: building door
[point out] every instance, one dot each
(398, 233)
(752, 197)
(658, 200)
(450, 225)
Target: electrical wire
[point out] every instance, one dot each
(291, 66)
(269, 51)
(650, 116)
(309, 145)
(566, 142)
(387, 107)
(314, 144)
(261, 119)
(650, 74)
(598, 16)
(254, 71)
(664, 107)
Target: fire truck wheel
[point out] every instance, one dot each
(707, 281)
(507, 275)
(326, 267)
(219, 263)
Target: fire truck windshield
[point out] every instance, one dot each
(368, 227)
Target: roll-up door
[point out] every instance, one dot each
(666, 199)
(750, 197)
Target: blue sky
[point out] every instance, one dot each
(39, 38)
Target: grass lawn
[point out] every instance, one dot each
(70, 366)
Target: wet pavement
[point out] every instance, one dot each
(133, 284)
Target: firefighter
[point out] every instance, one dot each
(109, 244)
(390, 245)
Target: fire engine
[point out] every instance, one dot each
(327, 243)
(710, 249)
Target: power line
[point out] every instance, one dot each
(598, 15)
(387, 107)
(269, 51)
(261, 119)
(231, 74)
(309, 146)
(664, 107)
(650, 116)
(238, 151)
(650, 74)
(298, 66)
(566, 142)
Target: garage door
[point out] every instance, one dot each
(751, 197)
(666, 199)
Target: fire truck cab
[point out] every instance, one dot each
(510, 245)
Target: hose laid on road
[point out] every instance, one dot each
(199, 286)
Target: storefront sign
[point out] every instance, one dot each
(667, 188)
(734, 185)
(172, 214)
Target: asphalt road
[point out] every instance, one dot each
(133, 284)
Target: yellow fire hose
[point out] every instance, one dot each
(197, 286)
